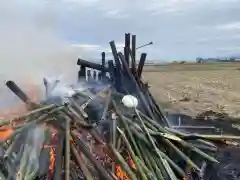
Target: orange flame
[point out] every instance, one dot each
(52, 159)
(17, 110)
(131, 163)
(5, 133)
(7, 113)
(52, 153)
(121, 174)
(32, 92)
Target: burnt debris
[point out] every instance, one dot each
(96, 130)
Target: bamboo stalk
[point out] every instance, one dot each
(154, 123)
(160, 153)
(140, 135)
(148, 162)
(106, 106)
(192, 148)
(185, 136)
(145, 168)
(44, 159)
(217, 137)
(169, 170)
(123, 163)
(102, 172)
(194, 127)
(149, 136)
(137, 88)
(133, 54)
(12, 147)
(146, 159)
(113, 137)
(119, 142)
(155, 166)
(139, 169)
(182, 155)
(127, 47)
(207, 143)
(44, 108)
(67, 149)
(83, 106)
(80, 163)
(77, 107)
(114, 133)
(32, 123)
(198, 151)
(204, 147)
(59, 158)
(126, 127)
(75, 119)
(141, 64)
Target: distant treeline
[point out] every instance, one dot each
(205, 60)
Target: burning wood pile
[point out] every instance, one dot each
(106, 129)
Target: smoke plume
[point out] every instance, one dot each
(31, 46)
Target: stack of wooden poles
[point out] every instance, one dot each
(98, 137)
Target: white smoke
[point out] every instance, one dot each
(30, 45)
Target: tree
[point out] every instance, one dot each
(199, 60)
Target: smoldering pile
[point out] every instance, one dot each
(110, 128)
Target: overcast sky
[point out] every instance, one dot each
(180, 29)
(41, 38)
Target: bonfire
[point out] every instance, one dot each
(106, 128)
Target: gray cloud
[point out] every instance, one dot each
(30, 42)
(39, 38)
(31, 46)
(179, 29)
(174, 26)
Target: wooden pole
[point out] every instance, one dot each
(134, 54)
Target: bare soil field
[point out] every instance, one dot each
(195, 88)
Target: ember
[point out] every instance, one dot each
(121, 174)
(52, 154)
(5, 133)
(131, 163)
(92, 130)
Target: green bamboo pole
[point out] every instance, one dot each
(139, 169)
(123, 163)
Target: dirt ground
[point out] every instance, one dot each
(195, 88)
